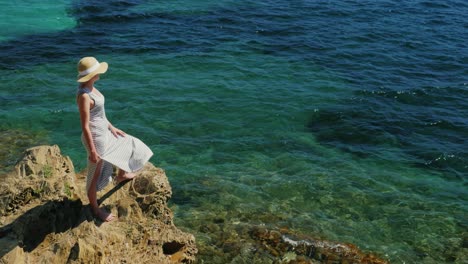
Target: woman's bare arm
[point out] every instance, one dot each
(84, 105)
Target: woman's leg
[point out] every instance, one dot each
(92, 196)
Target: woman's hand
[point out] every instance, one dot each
(94, 157)
(116, 132)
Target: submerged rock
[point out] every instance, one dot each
(44, 220)
(293, 248)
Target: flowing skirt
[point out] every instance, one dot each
(128, 153)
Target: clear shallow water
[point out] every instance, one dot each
(343, 120)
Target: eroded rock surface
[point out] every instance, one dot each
(293, 248)
(45, 217)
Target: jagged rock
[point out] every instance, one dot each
(44, 220)
(294, 248)
(44, 161)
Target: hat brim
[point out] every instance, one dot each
(102, 69)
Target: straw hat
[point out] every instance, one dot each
(88, 67)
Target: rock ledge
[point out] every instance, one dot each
(45, 217)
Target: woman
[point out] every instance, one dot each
(105, 144)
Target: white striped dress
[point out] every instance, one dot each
(127, 153)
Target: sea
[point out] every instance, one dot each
(341, 120)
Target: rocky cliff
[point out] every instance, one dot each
(45, 217)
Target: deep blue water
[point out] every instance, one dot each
(345, 120)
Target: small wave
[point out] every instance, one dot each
(432, 4)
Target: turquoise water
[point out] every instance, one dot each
(341, 120)
(34, 17)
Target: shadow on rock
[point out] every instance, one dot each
(30, 229)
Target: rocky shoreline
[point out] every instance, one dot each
(45, 217)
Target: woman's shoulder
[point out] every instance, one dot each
(82, 97)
